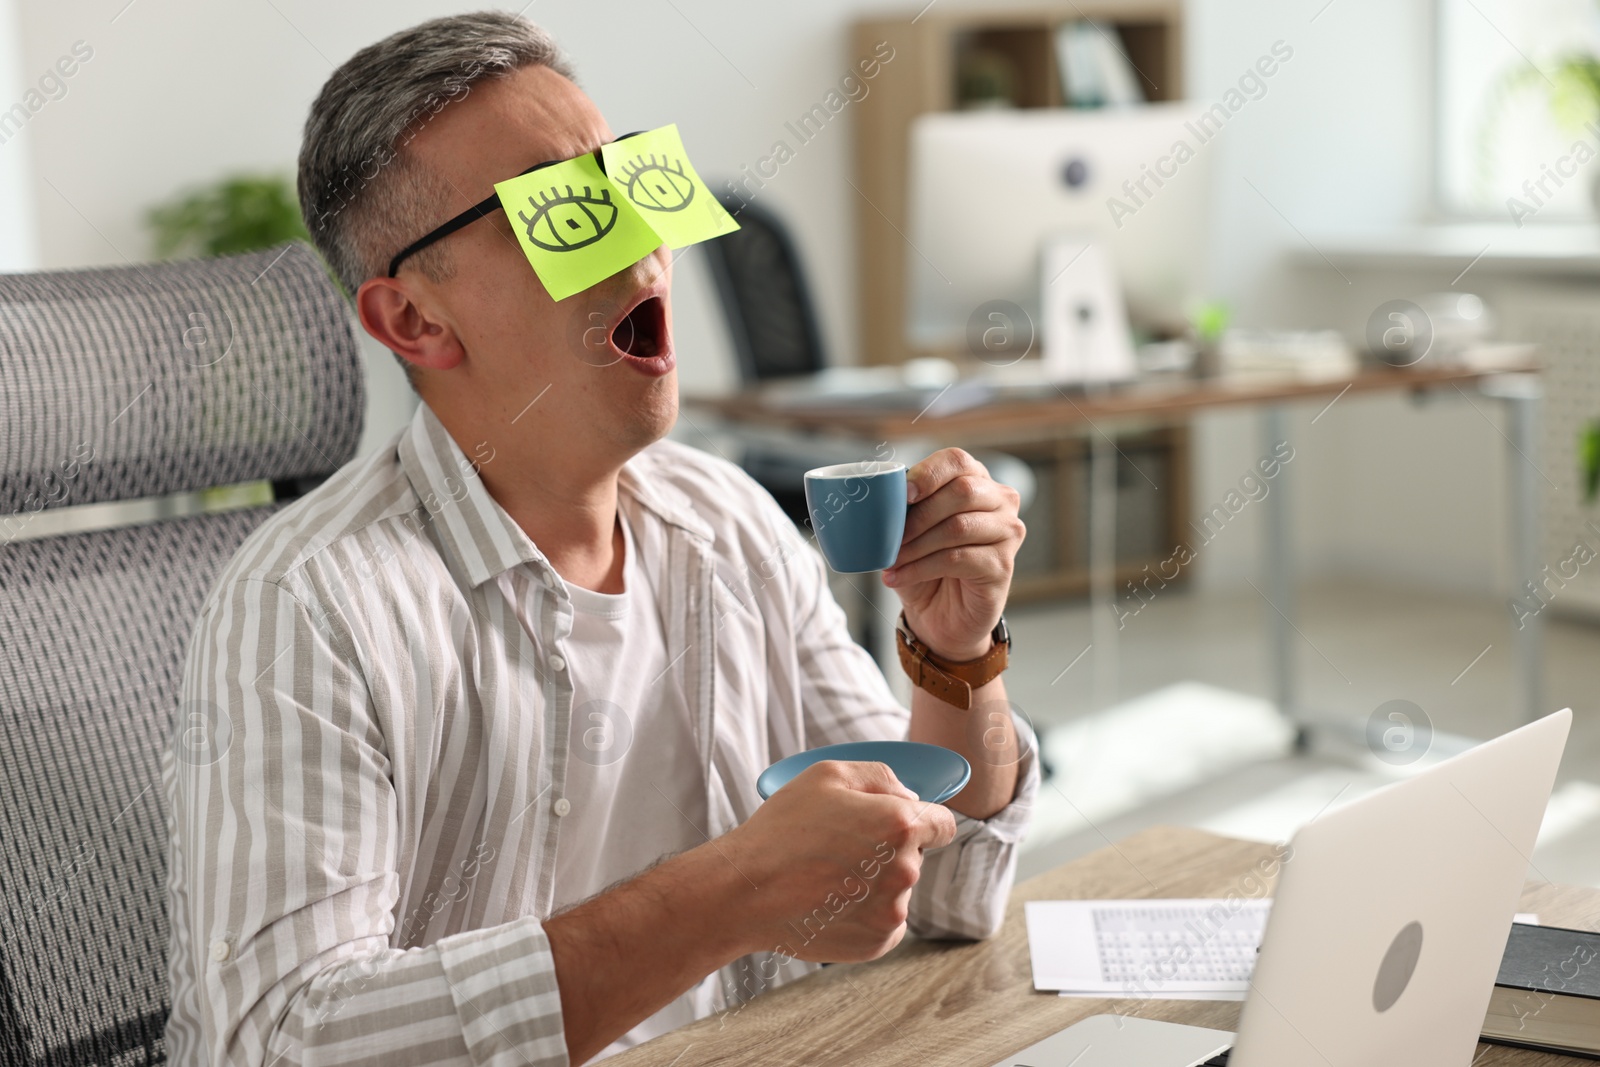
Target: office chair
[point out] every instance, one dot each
(115, 385)
(764, 295)
(773, 324)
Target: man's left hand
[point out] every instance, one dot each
(954, 569)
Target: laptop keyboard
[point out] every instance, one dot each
(1219, 1060)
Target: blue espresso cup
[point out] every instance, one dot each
(858, 512)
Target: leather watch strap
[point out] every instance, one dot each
(949, 680)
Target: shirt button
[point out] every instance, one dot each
(220, 950)
(557, 663)
(561, 807)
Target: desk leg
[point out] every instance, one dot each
(1521, 395)
(882, 609)
(869, 628)
(1279, 577)
(1102, 505)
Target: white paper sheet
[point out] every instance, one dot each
(1185, 949)
(1160, 994)
(1145, 948)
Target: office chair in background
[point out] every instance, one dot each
(117, 385)
(773, 324)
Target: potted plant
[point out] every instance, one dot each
(1572, 93)
(240, 213)
(1589, 460)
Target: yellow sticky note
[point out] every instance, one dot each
(575, 226)
(654, 173)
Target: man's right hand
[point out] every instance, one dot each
(833, 856)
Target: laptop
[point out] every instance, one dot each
(1386, 931)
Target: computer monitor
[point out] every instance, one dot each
(990, 189)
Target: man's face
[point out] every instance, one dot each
(605, 353)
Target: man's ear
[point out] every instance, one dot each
(390, 310)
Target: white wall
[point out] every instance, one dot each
(1340, 143)
(18, 245)
(1341, 140)
(182, 91)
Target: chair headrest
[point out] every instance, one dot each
(138, 381)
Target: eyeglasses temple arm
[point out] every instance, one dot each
(472, 214)
(476, 212)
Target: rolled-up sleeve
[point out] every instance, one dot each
(964, 887)
(287, 873)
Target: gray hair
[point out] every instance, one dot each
(363, 196)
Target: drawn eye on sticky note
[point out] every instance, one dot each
(657, 184)
(564, 221)
(575, 227)
(653, 171)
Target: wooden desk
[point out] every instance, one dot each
(928, 1004)
(1063, 416)
(1048, 415)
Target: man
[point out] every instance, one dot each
(498, 694)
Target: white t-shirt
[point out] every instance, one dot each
(634, 783)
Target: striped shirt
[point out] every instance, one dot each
(363, 843)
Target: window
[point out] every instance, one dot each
(1518, 109)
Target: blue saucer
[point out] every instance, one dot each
(935, 774)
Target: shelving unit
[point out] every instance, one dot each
(931, 50)
(1152, 480)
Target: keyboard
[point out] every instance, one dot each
(1219, 1060)
(1136, 944)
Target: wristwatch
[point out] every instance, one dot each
(949, 680)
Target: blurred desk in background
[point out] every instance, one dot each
(1049, 413)
(941, 1002)
(1077, 438)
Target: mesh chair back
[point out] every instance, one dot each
(122, 384)
(762, 284)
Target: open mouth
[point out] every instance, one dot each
(642, 333)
